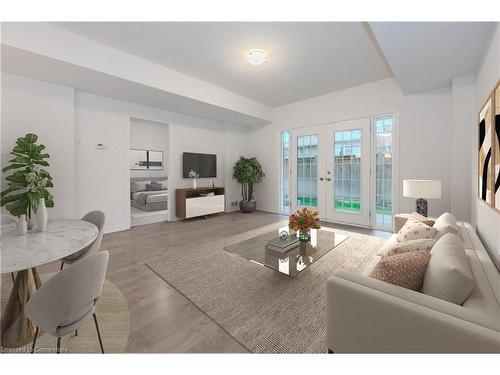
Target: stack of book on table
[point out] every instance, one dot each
(283, 246)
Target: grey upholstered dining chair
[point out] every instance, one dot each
(97, 218)
(64, 302)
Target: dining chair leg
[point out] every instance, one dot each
(34, 341)
(62, 265)
(58, 345)
(98, 333)
(13, 279)
(76, 332)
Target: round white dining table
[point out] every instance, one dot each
(21, 254)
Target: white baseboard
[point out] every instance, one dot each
(116, 228)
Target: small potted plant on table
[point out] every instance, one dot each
(193, 175)
(28, 182)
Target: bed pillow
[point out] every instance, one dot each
(154, 185)
(449, 276)
(415, 230)
(163, 184)
(136, 186)
(406, 270)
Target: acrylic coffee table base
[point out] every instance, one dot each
(17, 329)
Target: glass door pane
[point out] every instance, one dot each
(383, 171)
(285, 172)
(307, 171)
(347, 171)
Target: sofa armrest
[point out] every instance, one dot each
(399, 221)
(369, 316)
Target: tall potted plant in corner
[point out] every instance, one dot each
(27, 192)
(247, 171)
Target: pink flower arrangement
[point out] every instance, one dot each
(304, 219)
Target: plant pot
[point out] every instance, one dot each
(248, 206)
(194, 183)
(41, 216)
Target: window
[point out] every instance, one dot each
(383, 171)
(347, 171)
(307, 170)
(285, 172)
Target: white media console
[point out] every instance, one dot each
(194, 202)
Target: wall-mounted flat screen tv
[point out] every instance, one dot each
(204, 164)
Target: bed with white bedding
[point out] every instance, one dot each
(149, 194)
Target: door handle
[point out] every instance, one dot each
(321, 178)
(328, 179)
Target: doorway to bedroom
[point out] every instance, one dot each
(148, 164)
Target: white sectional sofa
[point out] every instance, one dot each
(366, 315)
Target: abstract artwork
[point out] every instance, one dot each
(496, 148)
(145, 159)
(485, 177)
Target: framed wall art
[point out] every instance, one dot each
(496, 148)
(485, 152)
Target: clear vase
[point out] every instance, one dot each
(41, 216)
(194, 183)
(305, 234)
(22, 225)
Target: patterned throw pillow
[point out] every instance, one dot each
(416, 216)
(407, 246)
(406, 270)
(415, 230)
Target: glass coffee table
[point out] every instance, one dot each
(292, 259)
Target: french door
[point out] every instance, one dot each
(330, 170)
(307, 164)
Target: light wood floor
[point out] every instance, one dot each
(162, 319)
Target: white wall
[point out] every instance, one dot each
(47, 110)
(237, 144)
(486, 219)
(153, 136)
(424, 129)
(463, 115)
(102, 179)
(71, 122)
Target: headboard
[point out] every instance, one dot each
(134, 187)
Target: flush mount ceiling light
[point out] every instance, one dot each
(256, 56)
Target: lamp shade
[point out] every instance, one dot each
(426, 189)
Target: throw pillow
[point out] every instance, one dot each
(415, 230)
(406, 270)
(154, 186)
(407, 246)
(136, 186)
(446, 223)
(449, 275)
(421, 218)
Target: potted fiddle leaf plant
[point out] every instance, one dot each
(28, 182)
(248, 171)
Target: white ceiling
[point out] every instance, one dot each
(307, 59)
(427, 55)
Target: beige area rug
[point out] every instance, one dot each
(266, 311)
(113, 318)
